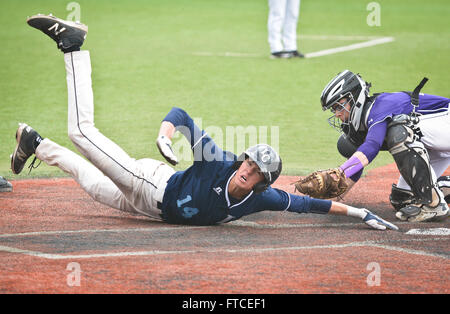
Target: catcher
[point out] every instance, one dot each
(219, 187)
(413, 127)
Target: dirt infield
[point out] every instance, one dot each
(55, 239)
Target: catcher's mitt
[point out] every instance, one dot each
(324, 184)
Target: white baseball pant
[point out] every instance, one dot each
(282, 25)
(112, 178)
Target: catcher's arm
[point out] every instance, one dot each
(354, 164)
(367, 216)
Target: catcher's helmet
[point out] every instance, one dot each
(349, 85)
(268, 161)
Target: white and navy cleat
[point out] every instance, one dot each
(69, 36)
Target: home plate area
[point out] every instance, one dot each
(56, 239)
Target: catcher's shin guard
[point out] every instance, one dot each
(412, 160)
(400, 198)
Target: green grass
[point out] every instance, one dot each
(143, 63)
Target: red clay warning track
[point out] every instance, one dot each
(55, 239)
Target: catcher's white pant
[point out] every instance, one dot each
(282, 25)
(436, 139)
(112, 178)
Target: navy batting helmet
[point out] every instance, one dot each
(268, 161)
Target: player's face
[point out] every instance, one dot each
(248, 175)
(342, 109)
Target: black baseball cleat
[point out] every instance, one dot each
(417, 213)
(444, 185)
(27, 141)
(295, 54)
(5, 186)
(279, 55)
(69, 36)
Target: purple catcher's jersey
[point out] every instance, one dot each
(387, 105)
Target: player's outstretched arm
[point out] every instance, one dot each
(364, 214)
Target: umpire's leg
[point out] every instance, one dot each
(277, 10)
(143, 186)
(290, 25)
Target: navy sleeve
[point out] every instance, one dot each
(203, 147)
(184, 123)
(306, 204)
(275, 199)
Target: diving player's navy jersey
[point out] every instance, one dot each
(199, 195)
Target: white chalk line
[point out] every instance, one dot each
(245, 250)
(239, 223)
(43, 233)
(243, 223)
(236, 223)
(337, 37)
(365, 44)
(370, 41)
